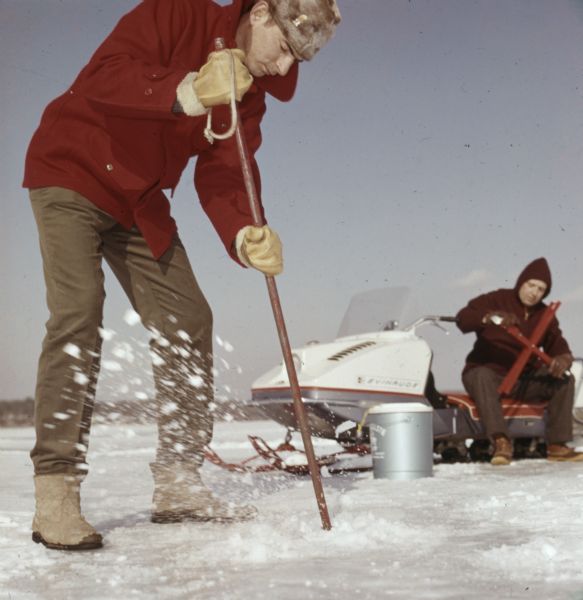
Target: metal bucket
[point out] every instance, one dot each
(401, 437)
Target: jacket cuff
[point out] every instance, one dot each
(187, 97)
(239, 239)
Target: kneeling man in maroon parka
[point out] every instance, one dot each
(496, 350)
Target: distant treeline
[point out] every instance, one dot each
(16, 413)
(20, 413)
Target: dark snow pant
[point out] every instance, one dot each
(482, 384)
(74, 238)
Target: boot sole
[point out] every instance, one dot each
(565, 458)
(500, 461)
(165, 517)
(38, 539)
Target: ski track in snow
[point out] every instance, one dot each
(471, 531)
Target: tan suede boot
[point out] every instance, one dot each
(563, 453)
(502, 451)
(180, 495)
(58, 522)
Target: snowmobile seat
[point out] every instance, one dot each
(511, 408)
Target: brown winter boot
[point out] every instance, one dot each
(562, 453)
(58, 522)
(502, 451)
(180, 495)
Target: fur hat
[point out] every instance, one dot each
(306, 24)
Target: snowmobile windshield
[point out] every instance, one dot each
(378, 310)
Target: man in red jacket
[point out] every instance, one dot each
(96, 169)
(495, 351)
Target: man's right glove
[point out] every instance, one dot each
(211, 86)
(500, 317)
(560, 364)
(260, 248)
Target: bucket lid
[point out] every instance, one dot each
(400, 407)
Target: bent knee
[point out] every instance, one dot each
(481, 379)
(198, 326)
(195, 327)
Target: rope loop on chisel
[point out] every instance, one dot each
(209, 133)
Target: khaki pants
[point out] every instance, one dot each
(74, 237)
(482, 385)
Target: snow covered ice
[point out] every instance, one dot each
(471, 531)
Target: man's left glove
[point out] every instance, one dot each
(260, 248)
(560, 364)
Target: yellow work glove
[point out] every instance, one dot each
(212, 85)
(260, 248)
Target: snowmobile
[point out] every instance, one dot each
(341, 380)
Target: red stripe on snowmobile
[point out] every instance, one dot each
(511, 409)
(332, 389)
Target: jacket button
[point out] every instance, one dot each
(148, 92)
(109, 167)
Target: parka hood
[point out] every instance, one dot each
(537, 269)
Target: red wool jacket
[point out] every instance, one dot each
(494, 347)
(113, 138)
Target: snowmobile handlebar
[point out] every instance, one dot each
(430, 319)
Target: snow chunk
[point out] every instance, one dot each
(168, 408)
(131, 317)
(157, 360)
(196, 381)
(61, 416)
(80, 378)
(73, 350)
(224, 344)
(519, 560)
(106, 334)
(111, 365)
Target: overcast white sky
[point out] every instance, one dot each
(434, 144)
